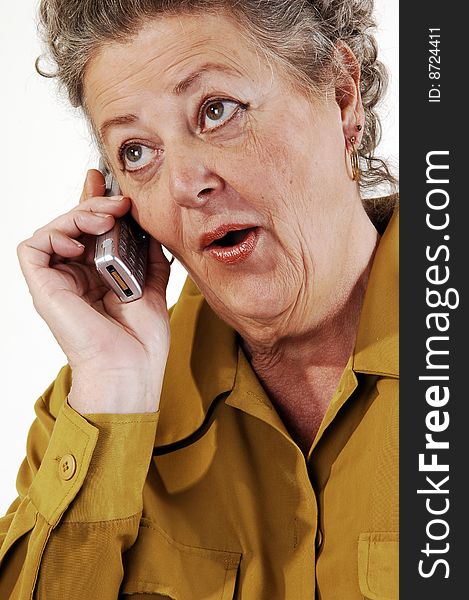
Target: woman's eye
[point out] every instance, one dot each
(217, 112)
(135, 156)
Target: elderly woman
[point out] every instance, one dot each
(244, 443)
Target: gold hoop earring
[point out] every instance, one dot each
(354, 160)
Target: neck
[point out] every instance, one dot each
(300, 373)
(327, 345)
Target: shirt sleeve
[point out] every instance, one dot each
(80, 499)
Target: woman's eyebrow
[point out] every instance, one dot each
(188, 81)
(121, 120)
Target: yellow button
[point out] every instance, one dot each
(67, 466)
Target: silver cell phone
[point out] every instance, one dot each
(121, 253)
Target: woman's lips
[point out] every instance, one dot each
(233, 246)
(219, 232)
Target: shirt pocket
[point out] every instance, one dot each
(159, 567)
(378, 565)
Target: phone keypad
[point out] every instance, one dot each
(132, 251)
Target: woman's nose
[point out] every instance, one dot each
(191, 182)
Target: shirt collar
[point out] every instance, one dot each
(376, 349)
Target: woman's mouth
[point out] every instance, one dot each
(231, 244)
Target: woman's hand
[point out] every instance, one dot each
(117, 351)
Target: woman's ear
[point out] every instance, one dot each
(347, 93)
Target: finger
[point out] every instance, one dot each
(64, 246)
(115, 205)
(95, 185)
(32, 257)
(79, 222)
(37, 250)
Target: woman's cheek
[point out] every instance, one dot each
(149, 212)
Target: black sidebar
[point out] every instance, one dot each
(434, 397)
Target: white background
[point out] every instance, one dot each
(46, 152)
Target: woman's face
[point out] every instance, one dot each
(206, 136)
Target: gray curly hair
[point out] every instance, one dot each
(299, 34)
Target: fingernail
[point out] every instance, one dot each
(116, 198)
(77, 243)
(102, 215)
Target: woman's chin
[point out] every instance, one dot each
(242, 305)
(253, 290)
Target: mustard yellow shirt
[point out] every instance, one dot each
(228, 507)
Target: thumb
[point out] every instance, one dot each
(158, 268)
